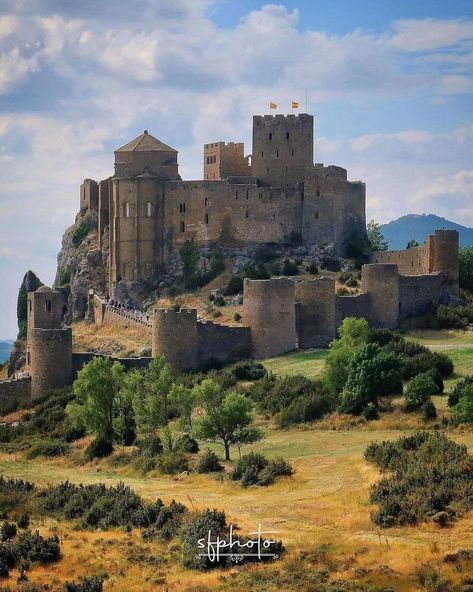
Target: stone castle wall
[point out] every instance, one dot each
(222, 160)
(15, 390)
(221, 342)
(175, 337)
(316, 314)
(50, 352)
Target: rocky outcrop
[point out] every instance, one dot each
(81, 264)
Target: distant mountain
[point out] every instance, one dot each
(5, 348)
(399, 232)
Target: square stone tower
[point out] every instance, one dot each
(283, 148)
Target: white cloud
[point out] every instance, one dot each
(430, 34)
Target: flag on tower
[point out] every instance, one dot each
(272, 105)
(295, 104)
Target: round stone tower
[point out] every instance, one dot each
(444, 255)
(315, 307)
(49, 347)
(269, 311)
(175, 337)
(381, 281)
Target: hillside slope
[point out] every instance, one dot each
(418, 226)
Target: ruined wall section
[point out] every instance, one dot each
(316, 318)
(417, 292)
(221, 342)
(15, 390)
(356, 305)
(269, 309)
(89, 195)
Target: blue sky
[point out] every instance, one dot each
(390, 85)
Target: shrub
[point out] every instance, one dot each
(289, 268)
(274, 268)
(171, 463)
(149, 445)
(313, 269)
(219, 300)
(99, 448)
(464, 408)
(248, 468)
(64, 277)
(255, 272)
(86, 584)
(23, 521)
(330, 264)
(351, 282)
(249, 370)
(293, 239)
(187, 444)
(198, 528)
(444, 364)
(80, 233)
(437, 378)
(264, 253)
(48, 448)
(418, 391)
(237, 317)
(429, 411)
(429, 473)
(34, 547)
(234, 286)
(209, 463)
(307, 408)
(145, 464)
(7, 531)
(459, 390)
(370, 412)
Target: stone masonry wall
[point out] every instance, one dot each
(18, 390)
(221, 342)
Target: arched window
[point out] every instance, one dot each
(30, 307)
(247, 214)
(126, 210)
(47, 305)
(206, 218)
(270, 136)
(149, 209)
(206, 202)
(183, 226)
(28, 358)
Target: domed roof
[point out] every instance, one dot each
(44, 289)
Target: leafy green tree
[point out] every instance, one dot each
(412, 243)
(247, 435)
(226, 413)
(372, 372)
(375, 237)
(465, 262)
(464, 408)
(95, 389)
(185, 399)
(149, 391)
(419, 390)
(124, 426)
(353, 333)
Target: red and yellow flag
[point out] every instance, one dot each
(295, 104)
(273, 105)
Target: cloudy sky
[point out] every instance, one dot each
(390, 85)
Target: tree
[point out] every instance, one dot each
(186, 400)
(464, 408)
(226, 413)
(372, 372)
(95, 389)
(419, 390)
(189, 253)
(375, 237)
(465, 262)
(412, 243)
(124, 420)
(353, 332)
(247, 435)
(149, 391)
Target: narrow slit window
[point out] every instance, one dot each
(183, 227)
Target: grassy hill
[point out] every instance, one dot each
(418, 226)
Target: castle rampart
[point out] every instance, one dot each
(15, 390)
(316, 319)
(175, 337)
(381, 282)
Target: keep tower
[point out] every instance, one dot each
(283, 148)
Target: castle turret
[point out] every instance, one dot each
(381, 281)
(49, 347)
(269, 310)
(175, 337)
(283, 148)
(443, 255)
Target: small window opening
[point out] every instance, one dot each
(270, 136)
(183, 227)
(206, 218)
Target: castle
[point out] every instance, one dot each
(242, 201)
(262, 198)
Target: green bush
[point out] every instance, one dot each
(64, 277)
(464, 408)
(249, 370)
(234, 286)
(264, 253)
(7, 531)
(256, 469)
(48, 448)
(274, 268)
(186, 443)
(418, 391)
(330, 264)
(313, 269)
(171, 463)
(351, 282)
(429, 473)
(80, 233)
(198, 528)
(255, 272)
(149, 445)
(219, 300)
(429, 411)
(99, 448)
(370, 412)
(459, 390)
(289, 268)
(440, 316)
(465, 264)
(209, 463)
(86, 584)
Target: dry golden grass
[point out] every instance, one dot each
(117, 338)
